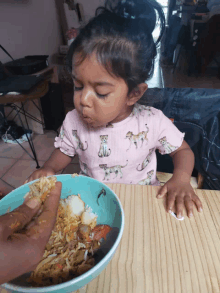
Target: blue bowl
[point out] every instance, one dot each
(109, 211)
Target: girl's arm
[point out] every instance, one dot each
(183, 161)
(56, 163)
(178, 189)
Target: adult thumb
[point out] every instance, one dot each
(162, 192)
(18, 218)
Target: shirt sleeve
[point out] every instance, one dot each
(64, 140)
(168, 138)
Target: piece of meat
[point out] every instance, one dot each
(95, 246)
(77, 258)
(101, 231)
(91, 261)
(72, 244)
(84, 267)
(84, 232)
(80, 256)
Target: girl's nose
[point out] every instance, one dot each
(86, 98)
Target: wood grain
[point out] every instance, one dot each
(158, 253)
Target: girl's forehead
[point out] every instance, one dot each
(90, 67)
(80, 62)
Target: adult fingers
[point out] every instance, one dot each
(45, 222)
(189, 205)
(18, 218)
(179, 206)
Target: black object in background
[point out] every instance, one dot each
(28, 64)
(16, 83)
(53, 107)
(19, 83)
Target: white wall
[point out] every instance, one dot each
(89, 7)
(29, 27)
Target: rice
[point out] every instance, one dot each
(70, 249)
(41, 188)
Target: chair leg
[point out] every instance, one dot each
(200, 179)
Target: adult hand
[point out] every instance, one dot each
(179, 194)
(42, 172)
(21, 251)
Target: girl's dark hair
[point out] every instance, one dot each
(121, 38)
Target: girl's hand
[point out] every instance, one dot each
(1, 194)
(22, 250)
(42, 172)
(180, 194)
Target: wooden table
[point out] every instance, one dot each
(158, 253)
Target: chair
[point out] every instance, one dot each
(10, 100)
(165, 163)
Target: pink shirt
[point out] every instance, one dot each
(122, 152)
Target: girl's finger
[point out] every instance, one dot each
(170, 202)
(162, 192)
(179, 206)
(27, 180)
(18, 218)
(189, 205)
(197, 202)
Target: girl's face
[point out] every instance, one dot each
(99, 98)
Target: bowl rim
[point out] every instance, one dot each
(92, 270)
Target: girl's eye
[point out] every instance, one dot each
(99, 95)
(77, 88)
(102, 96)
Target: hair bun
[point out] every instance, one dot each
(145, 10)
(127, 9)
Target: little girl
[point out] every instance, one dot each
(114, 136)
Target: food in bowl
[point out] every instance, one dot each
(41, 188)
(74, 240)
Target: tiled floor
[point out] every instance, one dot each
(16, 165)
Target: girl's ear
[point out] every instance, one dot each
(137, 93)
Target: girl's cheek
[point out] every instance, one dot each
(76, 101)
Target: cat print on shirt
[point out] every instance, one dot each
(167, 146)
(115, 169)
(147, 181)
(85, 169)
(66, 152)
(146, 161)
(79, 144)
(104, 151)
(109, 125)
(149, 110)
(134, 138)
(138, 109)
(62, 133)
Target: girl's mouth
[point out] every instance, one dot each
(87, 119)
